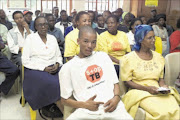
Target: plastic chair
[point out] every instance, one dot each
(140, 114)
(172, 68)
(32, 112)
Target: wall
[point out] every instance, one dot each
(170, 7)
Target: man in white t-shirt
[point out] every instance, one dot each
(91, 78)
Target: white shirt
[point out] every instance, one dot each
(3, 32)
(131, 39)
(15, 39)
(86, 77)
(37, 55)
(61, 27)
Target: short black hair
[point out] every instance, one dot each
(133, 21)
(16, 12)
(62, 11)
(80, 14)
(98, 17)
(178, 23)
(86, 29)
(114, 17)
(36, 20)
(151, 20)
(48, 15)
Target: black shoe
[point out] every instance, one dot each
(20, 101)
(51, 111)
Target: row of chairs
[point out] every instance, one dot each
(172, 69)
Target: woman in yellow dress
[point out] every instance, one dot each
(115, 42)
(142, 71)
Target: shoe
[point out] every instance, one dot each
(20, 101)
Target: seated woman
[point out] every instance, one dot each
(71, 46)
(175, 39)
(114, 41)
(161, 31)
(142, 70)
(41, 58)
(130, 35)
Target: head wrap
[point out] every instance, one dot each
(124, 14)
(140, 32)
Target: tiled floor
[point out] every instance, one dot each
(10, 108)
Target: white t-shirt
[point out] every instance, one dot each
(37, 55)
(131, 39)
(86, 77)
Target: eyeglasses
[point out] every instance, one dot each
(42, 24)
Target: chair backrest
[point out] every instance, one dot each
(172, 68)
(2, 77)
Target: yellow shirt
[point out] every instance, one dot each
(143, 72)
(116, 45)
(71, 46)
(158, 45)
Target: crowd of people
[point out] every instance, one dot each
(84, 55)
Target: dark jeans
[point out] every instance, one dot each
(11, 73)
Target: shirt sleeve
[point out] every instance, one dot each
(61, 36)
(65, 82)
(58, 54)
(70, 46)
(126, 69)
(162, 61)
(26, 56)
(11, 44)
(4, 34)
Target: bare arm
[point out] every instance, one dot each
(69, 58)
(114, 59)
(112, 103)
(89, 104)
(150, 89)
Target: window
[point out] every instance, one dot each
(102, 5)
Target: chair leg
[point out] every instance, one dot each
(32, 114)
(23, 99)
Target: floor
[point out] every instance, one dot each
(10, 108)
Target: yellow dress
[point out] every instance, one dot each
(148, 73)
(71, 46)
(116, 45)
(158, 45)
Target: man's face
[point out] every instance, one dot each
(2, 14)
(106, 15)
(64, 16)
(18, 18)
(87, 43)
(51, 21)
(28, 18)
(153, 13)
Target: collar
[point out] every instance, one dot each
(101, 28)
(17, 30)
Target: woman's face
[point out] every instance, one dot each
(161, 21)
(18, 19)
(41, 26)
(127, 17)
(138, 22)
(84, 20)
(149, 40)
(112, 25)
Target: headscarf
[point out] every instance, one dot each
(124, 14)
(140, 32)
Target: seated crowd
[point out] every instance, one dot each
(78, 60)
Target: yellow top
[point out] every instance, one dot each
(158, 45)
(71, 46)
(143, 72)
(116, 45)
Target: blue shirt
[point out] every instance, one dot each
(31, 26)
(68, 29)
(57, 33)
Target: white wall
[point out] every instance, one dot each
(79, 5)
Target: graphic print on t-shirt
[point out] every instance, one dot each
(116, 46)
(93, 73)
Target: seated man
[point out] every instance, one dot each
(10, 70)
(91, 78)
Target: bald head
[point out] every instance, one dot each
(85, 30)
